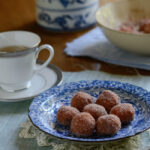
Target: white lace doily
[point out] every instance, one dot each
(139, 142)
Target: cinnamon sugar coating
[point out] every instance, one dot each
(124, 111)
(81, 99)
(82, 125)
(108, 125)
(95, 110)
(108, 99)
(65, 115)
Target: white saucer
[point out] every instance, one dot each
(41, 81)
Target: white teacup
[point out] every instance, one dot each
(17, 68)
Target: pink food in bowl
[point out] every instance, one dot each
(141, 26)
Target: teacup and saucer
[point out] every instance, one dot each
(20, 76)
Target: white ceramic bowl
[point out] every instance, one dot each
(111, 15)
(66, 15)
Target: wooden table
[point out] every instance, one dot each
(20, 15)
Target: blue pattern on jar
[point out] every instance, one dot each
(62, 21)
(80, 20)
(66, 3)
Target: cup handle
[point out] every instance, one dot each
(51, 50)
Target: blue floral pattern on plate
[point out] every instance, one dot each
(43, 109)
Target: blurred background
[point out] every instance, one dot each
(21, 15)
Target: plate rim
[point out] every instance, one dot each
(84, 141)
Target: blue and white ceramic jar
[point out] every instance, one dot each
(66, 15)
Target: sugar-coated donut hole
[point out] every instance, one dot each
(95, 110)
(124, 111)
(82, 125)
(65, 115)
(108, 99)
(108, 125)
(81, 99)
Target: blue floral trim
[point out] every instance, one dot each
(69, 10)
(43, 109)
(62, 21)
(66, 3)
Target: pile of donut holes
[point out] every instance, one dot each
(107, 115)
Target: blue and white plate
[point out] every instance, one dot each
(43, 109)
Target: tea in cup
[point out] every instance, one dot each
(18, 55)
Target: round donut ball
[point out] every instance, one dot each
(124, 111)
(65, 115)
(95, 110)
(108, 125)
(82, 125)
(108, 99)
(81, 99)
